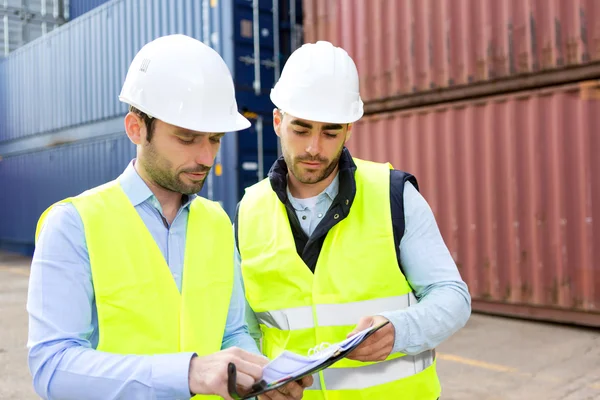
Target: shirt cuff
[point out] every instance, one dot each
(401, 329)
(170, 375)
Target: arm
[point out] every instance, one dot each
(444, 302)
(63, 328)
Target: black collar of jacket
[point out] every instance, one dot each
(347, 187)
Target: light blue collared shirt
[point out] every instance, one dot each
(63, 320)
(312, 210)
(444, 302)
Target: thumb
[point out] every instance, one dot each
(307, 381)
(363, 324)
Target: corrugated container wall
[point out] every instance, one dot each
(38, 179)
(79, 7)
(514, 187)
(408, 46)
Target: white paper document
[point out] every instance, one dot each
(291, 364)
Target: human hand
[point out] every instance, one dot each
(376, 347)
(291, 391)
(208, 374)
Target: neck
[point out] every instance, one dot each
(305, 190)
(170, 201)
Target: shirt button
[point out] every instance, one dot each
(320, 215)
(304, 217)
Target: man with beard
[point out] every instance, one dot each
(133, 292)
(330, 245)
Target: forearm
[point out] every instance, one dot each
(63, 370)
(427, 324)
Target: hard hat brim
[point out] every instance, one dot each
(238, 123)
(316, 115)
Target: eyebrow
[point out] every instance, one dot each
(309, 126)
(302, 124)
(185, 133)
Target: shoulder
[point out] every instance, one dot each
(61, 217)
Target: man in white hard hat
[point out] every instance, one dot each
(331, 245)
(133, 292)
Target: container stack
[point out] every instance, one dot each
(494, 105)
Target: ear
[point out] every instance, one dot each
(277, 120)
(133, 128)
(348, 132)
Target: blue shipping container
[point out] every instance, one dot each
(35, 180)
(58, 99)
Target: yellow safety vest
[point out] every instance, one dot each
(357, 275)
(140, 309)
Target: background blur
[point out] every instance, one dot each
(494, 105)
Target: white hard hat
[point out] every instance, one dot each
(319, 82)
(185, 83)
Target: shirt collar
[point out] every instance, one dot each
(334, 187)
(331, 191)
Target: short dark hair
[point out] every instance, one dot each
(148, 121)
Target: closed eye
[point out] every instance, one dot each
(186, 141)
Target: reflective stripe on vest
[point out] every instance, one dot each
(374, 374)
(332, 314)
(356, 275)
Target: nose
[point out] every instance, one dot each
(205, 152)
(314, 146)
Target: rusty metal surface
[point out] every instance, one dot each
(412, 46)
(510, 179)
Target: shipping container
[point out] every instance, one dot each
(511, 182)
(60, 96)
(412, 46)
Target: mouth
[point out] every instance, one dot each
(196, 176)
(312, 164)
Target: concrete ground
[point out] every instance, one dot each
(492, 358)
